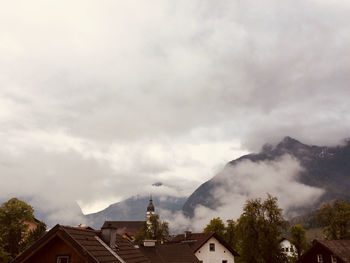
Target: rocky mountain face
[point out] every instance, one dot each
(324, 167)
(133, 209)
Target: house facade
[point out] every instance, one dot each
(327, 251)
(208, 247)
(288, 248)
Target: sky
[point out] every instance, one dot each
(101, 99)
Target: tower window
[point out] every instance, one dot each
(319, 258)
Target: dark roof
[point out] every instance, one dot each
(88, 243)
(197, 240)
(169, 253)
(128, 252)
(340, 248)
(124, 227)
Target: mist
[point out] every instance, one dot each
(247, 180)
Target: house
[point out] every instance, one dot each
(63, 244)
(168, 252)
(287, 247)
(327, 251)
(207, 247)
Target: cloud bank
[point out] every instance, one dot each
(249, 180)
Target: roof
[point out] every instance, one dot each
(197, 240)
(340, 248)
(169, 253)
(128, 252)
(129, 227)
(89, 245)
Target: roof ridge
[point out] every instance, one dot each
(76, 242)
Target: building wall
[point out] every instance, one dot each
(51, 250)
(221, 253)
(286, 244)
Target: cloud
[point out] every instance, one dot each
(164, 91)
(234, 185)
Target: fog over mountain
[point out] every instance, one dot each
(301, 176)
(99, 100)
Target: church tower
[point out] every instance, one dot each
(150, 210)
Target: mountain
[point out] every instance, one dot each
(324, 167)
(134, 209)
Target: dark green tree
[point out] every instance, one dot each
(335, 220)
(260, 228)
(13, 215)
(33, 235)
(231, 236)
(155, 229)
(298, 239)
(216, 225)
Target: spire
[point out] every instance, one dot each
(150, 207)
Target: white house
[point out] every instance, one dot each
(287, 247)
(208, 247)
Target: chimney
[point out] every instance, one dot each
(149, 243)
(108, 235)
(187, 234)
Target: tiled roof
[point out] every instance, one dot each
(128, 252)
(123, 224)
(169, 253)
(196, 240)
(340, 248)
(129, 227)
(90, 246)
(88, 241)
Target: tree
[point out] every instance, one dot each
(298, 239)
(231, 234)
(335, 219)
(33, 235)
(216, 225)
(13, 215)
(260, 228)
(153, 229)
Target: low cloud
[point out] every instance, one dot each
(248, 180)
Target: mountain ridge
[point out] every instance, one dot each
(323, 167)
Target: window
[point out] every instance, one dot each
(291, 249)
(319, 258)
(224, 261)
(287, 249)
(333, 259)
(212, 247)
(62, 259)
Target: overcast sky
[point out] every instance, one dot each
(100, 99)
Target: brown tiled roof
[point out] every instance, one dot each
(128, 252)
(88, 241)
(197, 240)
(90, 246)
(169, 253)
(129, 227)
(122, 224)
(340, 248)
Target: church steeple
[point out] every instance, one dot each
(150, 207)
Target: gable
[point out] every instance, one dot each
(220, 251)
(53, 248)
